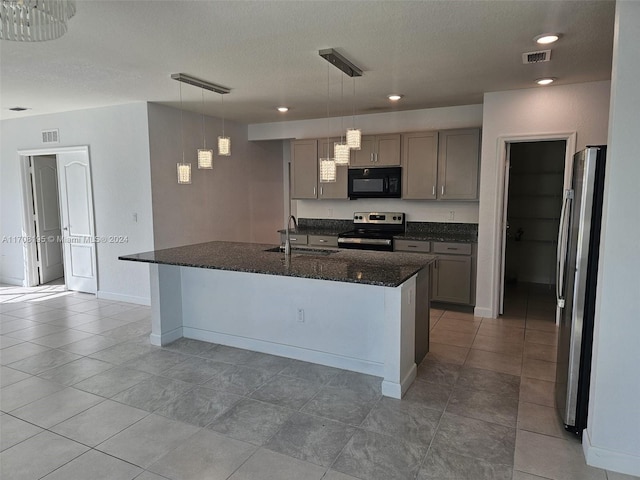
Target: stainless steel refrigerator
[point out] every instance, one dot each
(577, 272)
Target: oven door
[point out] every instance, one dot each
(375, 182)
(366, 243)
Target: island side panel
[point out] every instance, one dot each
(166, 304)
(400, 317)
(423, 313)
(332, 323)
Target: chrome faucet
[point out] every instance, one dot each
(287, 243)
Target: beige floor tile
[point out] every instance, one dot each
(449, 337)
(511, 334)
(505, 321)
(553, 458)
(460, 315)
(540, 392)
(539, 369)
(459, 325)
(542, 324)
(447, 353)
(545, 338)
(541, 419)
(539, 351)
(497, 345)
(496, 362)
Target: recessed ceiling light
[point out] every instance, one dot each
(547, 38)
(395, 97)
(283, 109)
(545, 81)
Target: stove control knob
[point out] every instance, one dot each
(395, 218)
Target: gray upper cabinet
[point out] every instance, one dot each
(304, 169)
(458, 162)
(337, 189)
(377, 151)
(420, 165)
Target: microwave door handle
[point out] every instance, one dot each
(386, 184)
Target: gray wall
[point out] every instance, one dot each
(239, 200)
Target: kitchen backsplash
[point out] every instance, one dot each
(444, 229)
(326, 224)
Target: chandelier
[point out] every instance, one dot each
(35, 20)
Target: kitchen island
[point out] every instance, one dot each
(354, 310)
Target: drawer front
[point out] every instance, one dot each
(323, 240)
(452, 248)
(294, 239)
(411, 246)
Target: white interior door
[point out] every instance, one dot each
(78, 227)
(505, 228)
(47, 217)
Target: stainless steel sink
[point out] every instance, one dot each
(303, 251)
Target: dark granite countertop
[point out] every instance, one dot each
(353, 266)
(315, 231)
(437, 237)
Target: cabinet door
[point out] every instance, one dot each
(337, 189)
(387, 150)
(419, 165)
(364, 156)
(304, 169)
(452, 279)
(458, 159)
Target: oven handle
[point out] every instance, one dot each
(365, 241)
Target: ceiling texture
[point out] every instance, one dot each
(435, 53)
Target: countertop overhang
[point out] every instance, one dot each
(353, 266)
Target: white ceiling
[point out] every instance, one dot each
(436, 53)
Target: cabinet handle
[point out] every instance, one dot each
(412, 246)
(322, 241)
(321, 190)
(291, 239)
(371, 158)
(433, 191)
(314, 191)
(452, 248)
(442, 190)
(376, 157)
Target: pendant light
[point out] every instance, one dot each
(205, 156)
(224, 143)
(341, 150)
(184, 169)
(327, 166)
(354, 135)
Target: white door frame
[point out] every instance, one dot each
(28, 221)
(503, 145)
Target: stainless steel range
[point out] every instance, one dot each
(373, 231)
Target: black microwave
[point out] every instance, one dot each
(380, 182)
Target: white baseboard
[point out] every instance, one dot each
(483, 312)
(119, 297)
(608, 459)
(166, 338)
(18, 282)
(397, 390)
(313, 356)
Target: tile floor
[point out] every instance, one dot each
(85, 396)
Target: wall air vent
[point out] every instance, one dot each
(536, 57)
(50, 136)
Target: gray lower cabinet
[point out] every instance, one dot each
(323, 240)
(294, 239)
(453, 274)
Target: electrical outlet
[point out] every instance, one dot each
(452, 214)
(301, 315)
(330, 212)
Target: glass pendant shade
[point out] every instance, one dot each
(205, 159)
(354, 138)
(341, 153)
(35, 20)
(327, 170)
(224, 146)
(184, 173)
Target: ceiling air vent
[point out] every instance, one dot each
(536, 57)
(50, 136)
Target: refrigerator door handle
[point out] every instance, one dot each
(561, 252)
